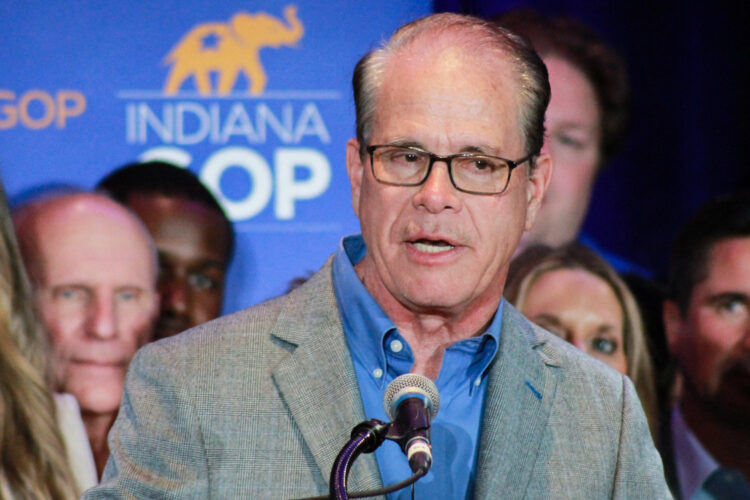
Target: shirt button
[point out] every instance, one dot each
(478, 381)
(377, 373)
(396, 345)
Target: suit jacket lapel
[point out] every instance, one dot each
(520, 392)
(317, 380)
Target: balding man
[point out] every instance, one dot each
(446, 174)
(93, 270)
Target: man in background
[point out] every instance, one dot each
(93, 271)
(586, 121)
(707, 322)
(192, 234)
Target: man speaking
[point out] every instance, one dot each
(446, 174)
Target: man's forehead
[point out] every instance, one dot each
(730, 253)
(728, 266)
(95, 270)
(448, 59)
(94, 247)
(175, 214)
(87, 227)
(85, 210)
(453, 53)
(182, 228)
(163, 203)
(448, 91)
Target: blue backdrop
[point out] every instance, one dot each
(88, 86)
(83, 89)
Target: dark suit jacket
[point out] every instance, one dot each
(258, 404)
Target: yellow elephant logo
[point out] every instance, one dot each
(229, 49)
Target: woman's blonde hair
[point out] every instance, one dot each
(535, 261)
(33, 461)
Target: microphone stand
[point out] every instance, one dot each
(417, 403)
(366, 437)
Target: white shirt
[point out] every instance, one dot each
(80, 457)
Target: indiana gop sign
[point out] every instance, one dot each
(254, 97)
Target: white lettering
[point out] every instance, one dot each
(288, 189)
(264, 116)
(261, 180)
(204, 122)
(214, 111)
(130, 123)
(163, 128)
(311, 123)
(238, 123)
(188, 123)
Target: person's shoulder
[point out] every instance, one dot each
(248, 331)
(595, 418)
(239, 327)
(574, 360)
(579, 373)
(80, 457)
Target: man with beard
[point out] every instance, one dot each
(707, 322)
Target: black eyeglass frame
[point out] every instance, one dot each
(448, 160)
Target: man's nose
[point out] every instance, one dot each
(102, 321)
(438, 193)
(174, 295)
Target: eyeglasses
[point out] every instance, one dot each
(469, 172)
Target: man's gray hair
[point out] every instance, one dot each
(479, 35)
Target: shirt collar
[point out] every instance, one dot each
(366, 325)
(693, 462)
(490, 340)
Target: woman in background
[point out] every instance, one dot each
(572, 292)
(34, 460)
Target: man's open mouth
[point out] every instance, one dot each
(432, 246)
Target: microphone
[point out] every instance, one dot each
(411, 401)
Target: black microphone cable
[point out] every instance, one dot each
(411, 401)
(379, 491)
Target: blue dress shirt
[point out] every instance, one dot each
(693, 462)
(380, 354)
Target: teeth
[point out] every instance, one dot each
(432, 247)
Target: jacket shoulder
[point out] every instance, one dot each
(263, 332)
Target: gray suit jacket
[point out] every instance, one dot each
(258, 404)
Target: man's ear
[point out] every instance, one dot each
(356, 169)
(536, 186)
(673, 321)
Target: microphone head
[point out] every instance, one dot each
(411, 383)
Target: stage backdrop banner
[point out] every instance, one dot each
(254, 97)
